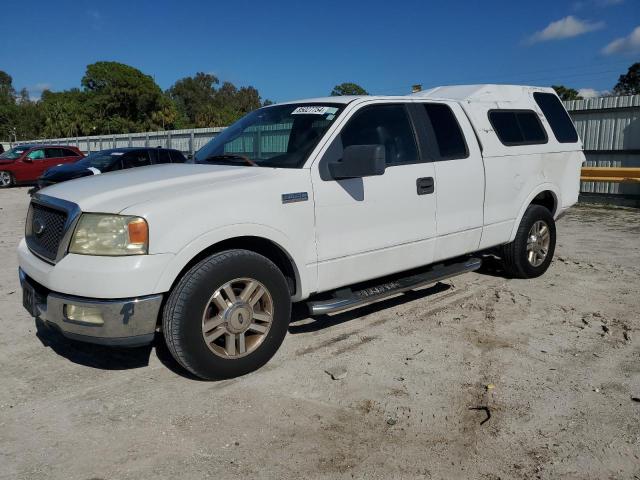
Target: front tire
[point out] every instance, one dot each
(531, 252)
(228, 315)
(6, 179)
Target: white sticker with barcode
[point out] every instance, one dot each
(311, 110)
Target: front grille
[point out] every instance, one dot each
(45, 230)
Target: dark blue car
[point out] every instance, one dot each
(109, 161)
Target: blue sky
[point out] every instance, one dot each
(295, 49)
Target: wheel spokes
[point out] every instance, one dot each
(237, 317)
(220, 302)
(230, 344)
(248, 290)
(213, 335)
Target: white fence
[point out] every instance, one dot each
(187, 141)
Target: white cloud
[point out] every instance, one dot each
(566, 27)
(592, 93)
(628, 44)
(35, 91)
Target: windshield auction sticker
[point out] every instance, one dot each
(313, 110)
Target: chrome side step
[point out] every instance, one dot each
(346, 298)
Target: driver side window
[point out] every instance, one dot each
(36, 155)
(386, 125)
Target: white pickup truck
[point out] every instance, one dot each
(326, 201)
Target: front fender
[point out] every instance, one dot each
(306, 275)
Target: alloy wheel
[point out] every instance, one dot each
(237, 318)
(538, 243)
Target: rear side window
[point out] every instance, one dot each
(163, 156)
(69, 153)
(450, 138)
(53, 152)
(557, 116)
(386, 125)
(177, 157)
(517, 127)
(135, 159)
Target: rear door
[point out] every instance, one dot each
(459, 178)
(54, 157)
(374, 226)
(162, 156)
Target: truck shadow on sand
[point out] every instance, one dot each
(91, 355)
(108, 358)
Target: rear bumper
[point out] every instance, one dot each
(122, 322)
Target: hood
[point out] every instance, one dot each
(6, 161)
(113, 192)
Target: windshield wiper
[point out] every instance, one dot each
(229, 159)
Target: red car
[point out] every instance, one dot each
(25, 163)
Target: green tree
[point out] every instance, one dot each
(629, 83)
(348, 89)
(67, 114)
(29, 120)
(566, 93)
(7, 106)
(201, 103)
(192, 95)
(124, 99)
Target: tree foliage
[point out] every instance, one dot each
(117, 98)
(629, 83)
(566, 93)
(201, 103)
(348, 89)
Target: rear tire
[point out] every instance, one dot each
(531, 252)
(6, 179)
(228, 315)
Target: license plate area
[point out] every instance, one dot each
(29, 299)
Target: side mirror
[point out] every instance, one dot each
(27, 160)
(359, 161)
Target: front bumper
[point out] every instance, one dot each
(122, 322)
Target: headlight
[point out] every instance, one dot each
(102, 234)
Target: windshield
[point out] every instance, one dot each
(100, 160)
(279, 136)
(14, 153)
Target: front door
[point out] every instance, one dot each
(374, 226)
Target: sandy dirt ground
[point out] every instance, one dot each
(554, 361)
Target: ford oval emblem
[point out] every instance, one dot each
(38, 227)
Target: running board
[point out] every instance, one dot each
(346, 298)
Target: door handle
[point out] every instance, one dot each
(425, 185)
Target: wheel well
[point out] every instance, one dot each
(259, 245)
(546, 199)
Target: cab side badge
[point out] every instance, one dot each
(295, 197)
